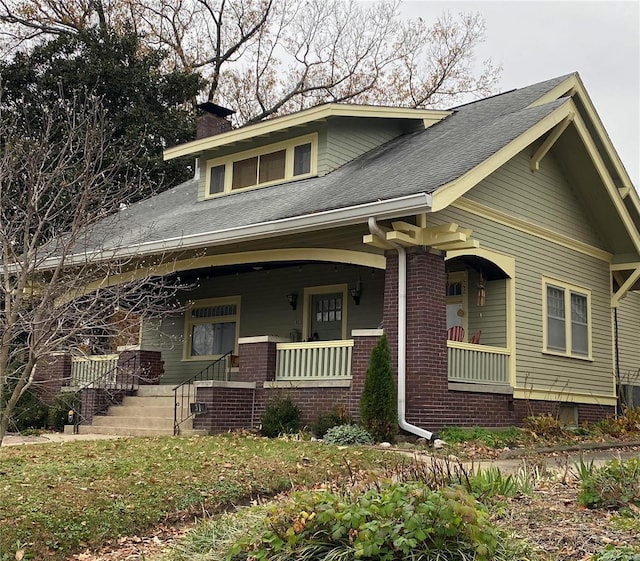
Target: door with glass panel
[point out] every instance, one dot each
(326, 316)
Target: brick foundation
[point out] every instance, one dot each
(236, 408)
(227, 409)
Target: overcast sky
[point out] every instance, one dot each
(537, 40)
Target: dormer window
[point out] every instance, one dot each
(275, 163)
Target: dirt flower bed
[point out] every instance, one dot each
(552, 519)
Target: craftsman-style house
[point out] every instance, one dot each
(497, 244)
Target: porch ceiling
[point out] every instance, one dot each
(226, 270)
(490, 270)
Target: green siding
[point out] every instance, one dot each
(540, 202)
(543, 197)
(629, 338)
(348, 138)
(264, 309)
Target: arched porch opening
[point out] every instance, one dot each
(480, 317)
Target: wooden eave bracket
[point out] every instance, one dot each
(626, 286)
(553, 137)
(624, 191)
(443, 237)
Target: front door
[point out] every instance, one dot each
(326, 317)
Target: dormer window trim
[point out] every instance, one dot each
(219, 172)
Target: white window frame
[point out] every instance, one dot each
(568, 289)
(288, 145)
(190, 321)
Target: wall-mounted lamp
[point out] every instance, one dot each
(292, 298)
(355, 293)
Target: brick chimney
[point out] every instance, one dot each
(212, 120)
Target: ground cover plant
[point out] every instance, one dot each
(61, 498)
(387, 521)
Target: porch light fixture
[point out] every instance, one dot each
(292, 298)
(355, 293)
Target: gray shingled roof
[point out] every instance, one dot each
(417, 163)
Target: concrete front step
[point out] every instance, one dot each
(162, 390)
(133, 422)
(123, 431)
(149, 412)
(141, 411)
(144, 401)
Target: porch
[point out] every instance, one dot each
(319, 303)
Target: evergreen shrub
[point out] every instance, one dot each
(378, 405)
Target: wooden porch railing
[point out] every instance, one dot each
(87, 369)
(315, 360)
(478, 363)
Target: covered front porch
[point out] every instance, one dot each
(245, 332)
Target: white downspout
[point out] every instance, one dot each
(402, 334)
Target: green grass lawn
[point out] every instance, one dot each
(56, 499)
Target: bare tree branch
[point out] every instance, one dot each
(55, 186)
(266, 58)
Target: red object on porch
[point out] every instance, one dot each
(455, 333)
(475, 338)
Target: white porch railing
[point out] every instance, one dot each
(87, 369)
(315, 360)
(478, 363)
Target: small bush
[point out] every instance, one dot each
(29, 413)
(545, 426)
(627, 424)
(615, 485)
(378, 404)
(281, 416)
(345, 435)
(391, 521)
(337, 416)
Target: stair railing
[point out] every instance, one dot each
(184, 393)
(123, 379)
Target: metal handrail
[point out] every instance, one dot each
(126, 380)
(211, 372)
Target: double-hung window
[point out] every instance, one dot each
(284, 161)
(567, 329)
(211, 328)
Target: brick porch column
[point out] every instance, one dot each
(257, 358)
(52, 373)
(148, 364)
(426, 344)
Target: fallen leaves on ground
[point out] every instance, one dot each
(553, 520)
(136, 548)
